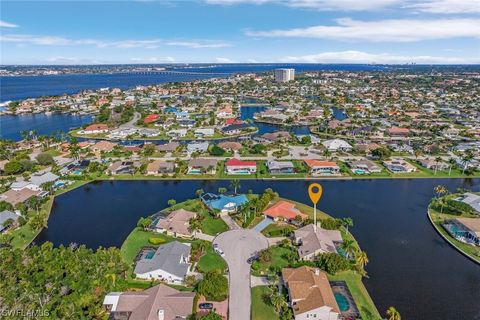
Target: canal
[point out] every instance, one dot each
(411, 267)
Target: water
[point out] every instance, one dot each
(11, 127)
(338, 114)
(411, 267)
(22, 87)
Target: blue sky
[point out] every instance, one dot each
(322, 31)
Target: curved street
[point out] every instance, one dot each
(238, 246)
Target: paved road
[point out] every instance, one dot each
(239, 245)
(232, 225)
(131, 124)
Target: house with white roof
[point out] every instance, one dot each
(335, 145)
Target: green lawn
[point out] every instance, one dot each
(138, 239)
(364, 303)
(262, 310)
(438, 218)
(277, 229)
(277, 261)
(209, 224)
(211, 261)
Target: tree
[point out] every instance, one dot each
(349, 247)
(45, 159)
(235, 184)
(347, 222)
(199, 192)
(222, 190)
(214, 286)
(382, 153)
(74, 148)
(438, 160)
(277, 301)
(13, 167)
(211, 316)
(148, 150)
(144, 222)
(393, 314)
(38, 221)
(466, 159)
(172, 202)
(362, 259)
(194, 225)
(265, 256)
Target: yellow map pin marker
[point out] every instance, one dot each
(315, 192)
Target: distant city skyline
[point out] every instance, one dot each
(240, 31)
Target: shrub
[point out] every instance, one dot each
(156, 241)
(214, 286)
(332, 262)
(331, 224)
(45, 159)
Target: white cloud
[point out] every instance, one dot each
(224, 60)
(446, 6)
(120, 44)
(197, 45)
(61, 59)
(353, 56)
(322, 5)
(5, 24)
(154, 60)
(401, 30)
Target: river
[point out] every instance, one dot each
(411, 267)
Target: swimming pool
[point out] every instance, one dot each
(342, 302)
(149, 255)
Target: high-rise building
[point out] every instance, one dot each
(284, 75)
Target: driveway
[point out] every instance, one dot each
(239, 245)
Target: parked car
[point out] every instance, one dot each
(219, 251)
(205, 306)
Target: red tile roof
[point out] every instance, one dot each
(239, 163)
(151, 118)
(317, 163)
(95, 127)
(284, 209)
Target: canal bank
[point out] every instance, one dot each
(411, 266)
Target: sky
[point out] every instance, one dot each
(240, 31)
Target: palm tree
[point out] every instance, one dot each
(467, 158)
(235, 184)
(349, 247)
(362, 259)
(440, 190)
(199, 192)
(194, 225)
(347, 222)
(452, 162)
(437, 163)
(277, 301)
(393, 314)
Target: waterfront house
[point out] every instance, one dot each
(15, 197)
(160, 302)
(310, 294)
(6, 216)
(40, 179)
(313, 241)
(120, 167)
(199, 147)
(202, 166)
(169, 263)
(322, 168)
(433, 164)
(204, 132)
(398, 165)
(235, 128)
(224, 203)
(176, 224)
(160, 167)
(336, 145)
(225, 113)
(19, 185)
(276, 136)
(364, 166)
(168, 147)
(177, 133)
(472, 199)
(280, 167)
(464, 229)
(285, 211)
(94, 129)
(236, 166)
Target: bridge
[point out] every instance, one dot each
(182, 72)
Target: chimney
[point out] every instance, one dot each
(161, 314)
